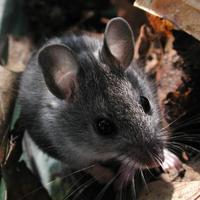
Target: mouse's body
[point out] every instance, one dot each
(45, 113)
(86, 103)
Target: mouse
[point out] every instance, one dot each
(87, 103)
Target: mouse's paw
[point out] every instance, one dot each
(171, 161)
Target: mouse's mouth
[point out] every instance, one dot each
(120, 172)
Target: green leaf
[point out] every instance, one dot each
(16, 114)
(2, 190)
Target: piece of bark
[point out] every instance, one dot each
(174, 191)
(8, 84)
(185, 187)
(184, 14)
(18, 54)
(148, 49)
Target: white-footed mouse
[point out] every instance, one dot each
(85, 102)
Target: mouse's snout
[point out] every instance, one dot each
(149, 156)
(155, 149)
(147, 153)
(156, 157)
(152, 148)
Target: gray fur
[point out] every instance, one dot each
(65, 129)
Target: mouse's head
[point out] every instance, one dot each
(108, 111)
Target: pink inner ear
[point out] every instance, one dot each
(67, 83)
(119, 40)
(119, 48)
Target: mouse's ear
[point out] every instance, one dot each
(59, 67)
(119, 41)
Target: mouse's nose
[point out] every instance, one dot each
(155, 148)
(150, 154)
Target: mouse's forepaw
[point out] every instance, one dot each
(171, 161)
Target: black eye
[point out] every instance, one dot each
(104, 126)
(145, 104)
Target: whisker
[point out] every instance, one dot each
(134, 189)
(74, 184)
(133, 179)
(143, 178)
(189, 146)
(85, 185)
(104, 189)
(148, 170)
(120, 194)
(100, 195)
(168, 125)
(172, 146)
(182, 123)
(184, 136)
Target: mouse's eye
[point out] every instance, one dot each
(145, 104)
(104, 126)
